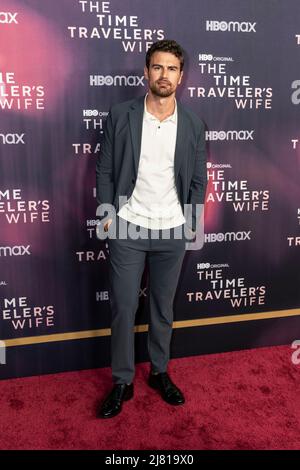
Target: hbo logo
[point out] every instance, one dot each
(204, 265)
(90, 112)
(205, 57)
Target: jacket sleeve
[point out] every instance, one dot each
(104, 165)
(199, 178)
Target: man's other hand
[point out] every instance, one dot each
(106, 226)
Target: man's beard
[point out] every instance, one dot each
(161, 92)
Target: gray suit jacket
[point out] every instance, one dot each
(118, 160)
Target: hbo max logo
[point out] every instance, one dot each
(8, 17)
(235, 26)
(116, 80)
(229, 135)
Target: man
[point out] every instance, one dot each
(154, 156)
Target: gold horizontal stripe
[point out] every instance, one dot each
(143, 328)
(238, 318)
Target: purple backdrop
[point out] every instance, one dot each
(61, 67)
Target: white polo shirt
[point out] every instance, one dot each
(154, 202)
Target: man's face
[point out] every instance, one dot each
(163, 74)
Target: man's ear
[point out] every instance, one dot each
(180, 78)
(146, 73)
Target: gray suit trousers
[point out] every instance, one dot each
(127, 259)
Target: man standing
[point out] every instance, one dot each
(154, 156)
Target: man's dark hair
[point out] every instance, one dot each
(166, 45)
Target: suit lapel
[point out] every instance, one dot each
(180, 140)
(136, 126)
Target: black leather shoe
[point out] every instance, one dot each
(169, 392)
(112, 405)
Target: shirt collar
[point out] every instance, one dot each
(150, 117)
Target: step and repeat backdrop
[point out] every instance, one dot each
(62, 65)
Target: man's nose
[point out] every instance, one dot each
(164, 72)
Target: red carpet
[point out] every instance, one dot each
(238, 400)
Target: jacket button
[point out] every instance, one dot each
(133, 180)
